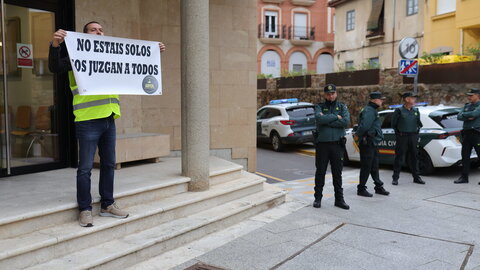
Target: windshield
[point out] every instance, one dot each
(301, 112)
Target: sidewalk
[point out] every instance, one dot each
(432, 226)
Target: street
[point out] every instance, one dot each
(294, 171)
(432, 226)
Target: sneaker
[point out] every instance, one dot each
(85, 219)
(113, 211)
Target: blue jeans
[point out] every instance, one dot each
(90, 134)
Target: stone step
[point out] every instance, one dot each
(27, 222)
(225, 171)
(36, 247)
(127, 250)
(128, 193)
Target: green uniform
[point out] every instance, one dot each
(406, 124)
(470, 111)
(369, 126)
(329, 127)
(406, 121)
(470, 115)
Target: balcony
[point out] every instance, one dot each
(304, 2)
(273, 1)
(377, 34)
(301, 36)
(271, 37)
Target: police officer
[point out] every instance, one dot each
(332, 117)
(368, 135)
(470, 115)
(406, 124)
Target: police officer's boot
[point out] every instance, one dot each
(418, 180)
(362, 191)
(381, 191)
(462, 180)
(340, 202)
(317, 203)
(395, 181)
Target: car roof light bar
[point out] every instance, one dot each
(285, 100)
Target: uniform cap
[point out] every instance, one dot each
(408, 94)
(376, 95)
(473, 91)
(330, 88)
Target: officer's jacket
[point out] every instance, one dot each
(404, 120)
(470, 111)
(369, 126)
(329, 127)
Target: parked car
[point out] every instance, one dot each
(439, 139)
(285, 121)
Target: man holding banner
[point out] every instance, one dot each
(94, 120)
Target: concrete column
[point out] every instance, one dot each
(195, 93)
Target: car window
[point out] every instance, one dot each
(386, 120)
(261, 113)
(448, 120)
(301, 112)
(273, 112)
(268, 113)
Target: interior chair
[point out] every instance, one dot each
(42, 128)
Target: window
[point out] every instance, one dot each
(386, 120)
(446, 6)
(271, 24)
(297, 67)
(301, 112)
(412, 7)
(268, 113)
(300, 27)
(374, 62)
(349, 65)
(350, 20)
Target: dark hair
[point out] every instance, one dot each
(85, 29)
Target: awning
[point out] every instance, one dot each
(377, 7)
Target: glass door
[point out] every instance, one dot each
(32, 137)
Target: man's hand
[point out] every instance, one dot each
(58, 37)
(339, 117)
(162, 46)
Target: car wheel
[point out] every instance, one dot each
(425, 163)
(277, 144)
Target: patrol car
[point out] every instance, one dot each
(285, 121)
(439, 139)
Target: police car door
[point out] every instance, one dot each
(261, 116)
(386, 149)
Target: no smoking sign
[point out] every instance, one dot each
(24, 55)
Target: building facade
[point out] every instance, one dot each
(367, 32)
(451, 26)
(294, 36)
(37, 105)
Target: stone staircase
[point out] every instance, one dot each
(163, 216)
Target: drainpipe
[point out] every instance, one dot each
(461, 41)
(393, 32)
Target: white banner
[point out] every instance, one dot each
(108, 65)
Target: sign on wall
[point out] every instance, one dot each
(109, 65)
(24, 55)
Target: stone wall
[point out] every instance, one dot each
(390, 84)
(233, 37)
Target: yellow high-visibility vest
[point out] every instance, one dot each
(92, 107)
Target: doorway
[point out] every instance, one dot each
(35, 129)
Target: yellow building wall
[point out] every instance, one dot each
(446, 29)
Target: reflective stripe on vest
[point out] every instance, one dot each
(95, 103)
(75, 92)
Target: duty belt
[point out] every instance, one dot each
(95, 103)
